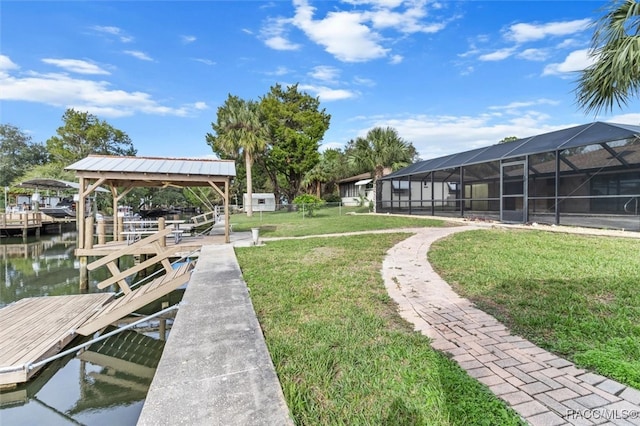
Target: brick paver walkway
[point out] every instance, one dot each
(543, 388)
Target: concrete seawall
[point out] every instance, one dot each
(215, 369)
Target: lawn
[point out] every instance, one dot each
(341, 351)
(327, 220)
(577, 296)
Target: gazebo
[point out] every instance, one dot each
(122, 174)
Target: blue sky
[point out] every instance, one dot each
(448, 75)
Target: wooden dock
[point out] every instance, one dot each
(28, 222)
(36, 328)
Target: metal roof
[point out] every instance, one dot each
(49, 183)
(586, 134)
(169, 166)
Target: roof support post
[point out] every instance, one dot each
(80, 208)
(409, 183)
(433, 195)
(461, 192)
(557, 189)
(227, 238)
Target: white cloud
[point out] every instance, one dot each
(115, 31)
(327, 94)
(364, 81)
(439, 135)
(62, 90)
(77, 65)
(534, 54)
(631, 118)
(280, 71)
(6, 64)
(523, 32)
(353, 35)
(498, 55)
(204, 61)
(138, 54)
(342, 34)
(186, 39)
(519, 104)
(396, 59)
(274, 34)
(577, 60)
(325, 73)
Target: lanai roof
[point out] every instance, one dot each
(586, 134)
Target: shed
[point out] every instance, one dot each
(261, 201)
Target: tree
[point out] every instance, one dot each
(240, 130)
(614, 77)
(83, 134)
(296, 127)
(381, 148)
(18, 154)
(508, 139)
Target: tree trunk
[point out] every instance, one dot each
(248, 162)
(377, 205)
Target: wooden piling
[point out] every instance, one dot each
(102, 236)
(84, 273)
(88, 232)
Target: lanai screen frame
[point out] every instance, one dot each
(581, 153)
(121, 174)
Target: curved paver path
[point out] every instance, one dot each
(542, 387)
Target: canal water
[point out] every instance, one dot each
(103, 385)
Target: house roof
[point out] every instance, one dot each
(355, 178)
(586, 134)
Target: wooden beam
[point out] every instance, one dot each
(93, 187)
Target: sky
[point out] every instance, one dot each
(449, 76)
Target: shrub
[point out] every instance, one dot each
(332, 198)
(308, 203)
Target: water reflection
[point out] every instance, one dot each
(45, 267)
(104, 385)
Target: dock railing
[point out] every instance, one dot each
(162, 254)
(19, 220)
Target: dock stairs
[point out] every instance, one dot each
(134, 299)
(32, 330)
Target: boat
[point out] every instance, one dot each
(65, 208)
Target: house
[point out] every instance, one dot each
(587, 175)
(355, 190)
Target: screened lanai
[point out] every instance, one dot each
(587, 175)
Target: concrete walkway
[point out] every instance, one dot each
(543, 388)
(215, 368)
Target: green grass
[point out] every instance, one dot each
(341, 351)
(578, 296)
(327, 220)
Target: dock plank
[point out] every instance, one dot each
(34, 328)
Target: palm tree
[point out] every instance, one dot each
(614, 77)
(381, 148)
(240, 131)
